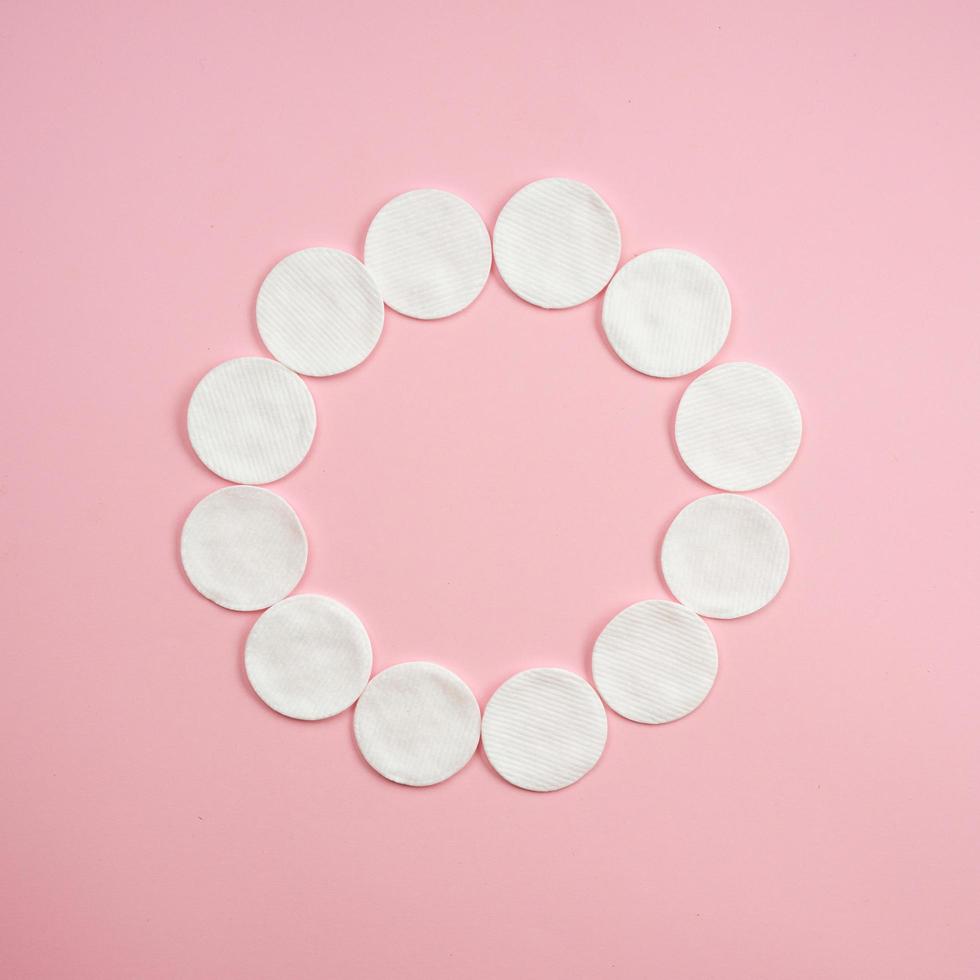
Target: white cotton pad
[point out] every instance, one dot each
(251, 420)
(655, 662)
(667, 312)
(544, 728)
(308, 657)
(556, 243)
(417, 724)
(429, 252)
(738, 426)
(319, 311)
(243, 547)
(725, 556)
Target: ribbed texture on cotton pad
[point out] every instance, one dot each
(667, 312)
(738, 426)
(320, 312)
(243, 547)
(417, 723)
(556, 243)
(655, 662)
(251, 420)
(308, 657)
(544, 729)
(725, 556)
(429, 252)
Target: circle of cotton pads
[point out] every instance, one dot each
(417, 723)
(556, 243)
(251, 420)
(544, 729)
(429, 252)
(667, 312)
(725, 556)
(308, 657)
(738, 426)
(319, 311)
(243, 547)
(654, 662)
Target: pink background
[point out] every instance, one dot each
(487, 491)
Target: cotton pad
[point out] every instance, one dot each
(654, 662)
(667, 312)
(308, 657)
(725, 556)
(429, 252)
(319, 311)
(544, 728)
(251, 420)
(243, 547)
(556, 243)
(738, 426)
(417, 724)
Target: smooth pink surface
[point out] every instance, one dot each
(488, 491)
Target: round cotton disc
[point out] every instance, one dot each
(667, 313)
(655, 662)
(556, 243)
(320, 312)
(725, 556)
(429, 252)
(738, 426)
(417, 724)
(308, 657)
(544, 729)
(243, 547)
(251, 420)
